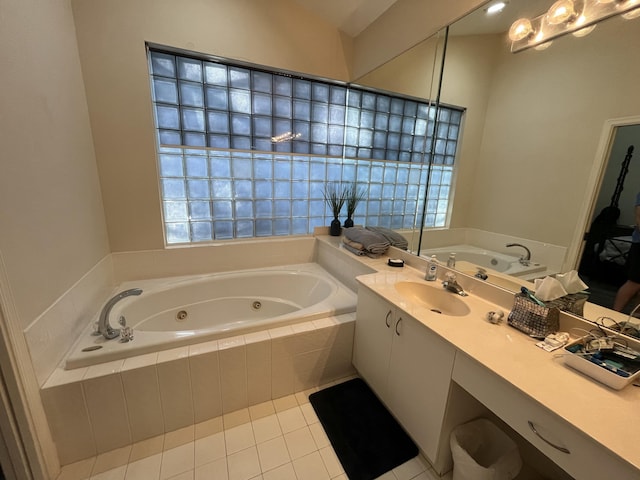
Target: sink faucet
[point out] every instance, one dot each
(524, 260)
(452, 285)
(103, 324)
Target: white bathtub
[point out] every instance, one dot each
(499, 262)
(173, 312)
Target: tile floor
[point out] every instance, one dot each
(275, 440)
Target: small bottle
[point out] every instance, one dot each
(432, 269)
(451, 261)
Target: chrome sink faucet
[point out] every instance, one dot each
(451, 284)
(103, 324)
(525, 259)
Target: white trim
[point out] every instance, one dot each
(38, 459)
(593, 188)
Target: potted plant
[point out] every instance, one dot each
(334, 196)
(353, 195)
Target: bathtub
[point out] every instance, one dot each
(499, 262)
(174, 312)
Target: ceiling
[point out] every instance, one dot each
(353, 16)
(349, 16)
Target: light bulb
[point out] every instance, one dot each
(583, 32)
(496, 8)
(543, 46)
(560, 12)
(635, 13)
(520, 29)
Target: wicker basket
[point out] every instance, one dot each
(535, 320)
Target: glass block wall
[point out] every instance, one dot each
(224, 174)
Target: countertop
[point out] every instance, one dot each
(610, 417)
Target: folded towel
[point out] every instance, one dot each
(359, 251)
(371, 241)
(352, 244)
(394, 238)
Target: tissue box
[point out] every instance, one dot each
(576, 358)
(573, 303)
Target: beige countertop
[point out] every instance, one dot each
(610, 417)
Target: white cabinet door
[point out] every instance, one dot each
(408, 366)
(418, 381)
(375, 318)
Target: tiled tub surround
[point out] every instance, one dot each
(97, 409)
(214, 306)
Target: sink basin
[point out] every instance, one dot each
(435, 299)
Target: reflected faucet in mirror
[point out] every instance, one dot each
(525, 259)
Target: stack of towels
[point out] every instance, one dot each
(371, 241)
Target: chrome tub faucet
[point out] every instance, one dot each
(525, 259)
(104, 328)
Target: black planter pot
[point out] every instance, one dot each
(348, 223)
(335, 228)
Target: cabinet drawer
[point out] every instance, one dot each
(571, 450)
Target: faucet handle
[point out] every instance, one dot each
(450, 277)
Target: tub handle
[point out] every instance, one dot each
(557, 447)
(386, 319)
(397, 325)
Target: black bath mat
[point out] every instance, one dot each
(364, 435)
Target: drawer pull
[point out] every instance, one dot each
(386, 319)
(557, 447)
(397, 325)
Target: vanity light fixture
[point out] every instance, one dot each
(568, 16)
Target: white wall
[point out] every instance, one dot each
(53, 228)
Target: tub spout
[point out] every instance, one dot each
(104, 327)
(524, 260)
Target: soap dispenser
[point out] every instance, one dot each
(432, 269)
(451, 261)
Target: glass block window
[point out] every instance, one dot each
(245, 152)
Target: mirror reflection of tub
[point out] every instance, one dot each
(487, 259)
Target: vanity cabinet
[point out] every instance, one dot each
(574, 452)
(407, 365)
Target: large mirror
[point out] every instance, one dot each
(539, 125)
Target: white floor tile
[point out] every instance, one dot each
(145, 469)
(210, 448)
(300, 442)
(273, 453)
(319, 435)
(387, 476)
(177, 460)
(113, 474)
(291, 419)
(428, 475)
(183, 476)
(331, 462)
(309, 413)
(244, 464)
(411, 468)
(239, 438)
(310, 467)
(284, 472)
(266, 428)
(216, 470)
